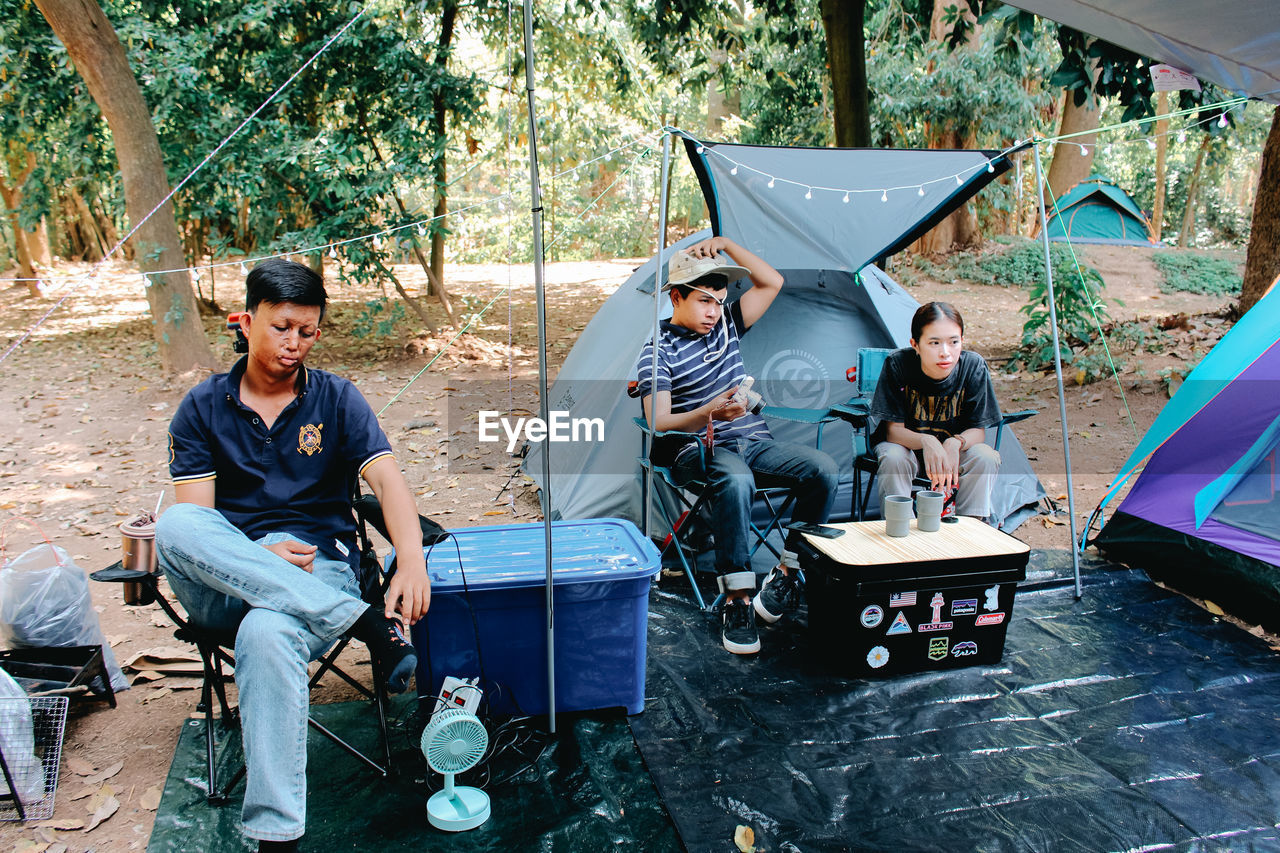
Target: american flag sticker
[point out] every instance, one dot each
(902, 599)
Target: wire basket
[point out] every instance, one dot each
(31, 749)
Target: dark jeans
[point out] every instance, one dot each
(734, 471)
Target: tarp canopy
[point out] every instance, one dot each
(1098, 211)
(1234, 43)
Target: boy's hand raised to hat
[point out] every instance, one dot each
(711, 247)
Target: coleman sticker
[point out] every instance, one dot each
(878, 657)
(309, 438)
(872, 616)
(968, 647)
(989, 618)
(900, 625)
(937, 603)
(902, 599)
(964, 607)
(938, 648)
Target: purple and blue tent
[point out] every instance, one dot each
(1203, 515)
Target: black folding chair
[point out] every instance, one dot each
(216, 650)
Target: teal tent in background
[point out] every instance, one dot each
(1098, 211)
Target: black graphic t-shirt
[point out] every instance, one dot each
(942, 408)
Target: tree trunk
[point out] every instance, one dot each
(1262, 263)
(842, 22)
(1069, 166)
(40, 243)
(96, 246)
(99, 57)
(1162, 148)
(1193, 188)
(448, 17)
(12, 196)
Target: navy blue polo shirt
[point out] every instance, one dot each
(296, 477)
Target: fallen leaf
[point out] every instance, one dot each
(1213, 608)
(63, 823)
(80, 767)
(106, 808)
(99, 778)
(151, 798)
(745, 839)
(495, 512)
(27, 845)
(1049, 521)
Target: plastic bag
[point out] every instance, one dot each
(18, 742)
(44, 601)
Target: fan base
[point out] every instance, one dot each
(466, 809)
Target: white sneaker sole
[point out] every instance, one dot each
(764, 614)
(740, 648)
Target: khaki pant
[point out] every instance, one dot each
(978, 468)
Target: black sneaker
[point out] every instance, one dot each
(389, 647)
(778, 595)
(738, 630)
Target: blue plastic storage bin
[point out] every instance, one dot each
(488, 609)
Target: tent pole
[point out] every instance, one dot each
(1057, 367)
(535, 204)
(647, 495)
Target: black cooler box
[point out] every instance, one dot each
(881, 606)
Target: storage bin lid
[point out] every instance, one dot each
(512, 555)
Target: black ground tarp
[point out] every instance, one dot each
(589, 792)
(1130, 720)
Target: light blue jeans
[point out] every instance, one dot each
(284, 617)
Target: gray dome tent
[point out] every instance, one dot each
(834, 302)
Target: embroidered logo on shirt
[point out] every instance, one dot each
(309, 438)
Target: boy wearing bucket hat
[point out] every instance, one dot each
(693, 386)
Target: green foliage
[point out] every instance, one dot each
(1189, 272)
(1080, 309)
(378, 318)
(1020, 265)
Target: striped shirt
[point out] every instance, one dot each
(695, 368)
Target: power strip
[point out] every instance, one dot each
(464, 693)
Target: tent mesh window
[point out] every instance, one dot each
(31, 749)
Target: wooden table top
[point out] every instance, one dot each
(865, 543)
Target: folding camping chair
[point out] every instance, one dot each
(682, 520)
(216, 649)
(870, 365)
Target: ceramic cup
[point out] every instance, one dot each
(897, 515)
(929, 510)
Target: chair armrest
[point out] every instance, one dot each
(368, 509)
(1014, 417)
(800, 416)
(664, 433)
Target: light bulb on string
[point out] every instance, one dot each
(1151, 144)
(1182, 136)
(846, 198)
(734, 170)
(808, 193)
(244, 270)
(884, 195)
(991, 169)
(1084, 150)
(700, 149)
(422, 230)
(920, 191)
(1107, 150)
(333, 252)
(146, 282)
(959, 181)
(1222, 120)
(770, 182)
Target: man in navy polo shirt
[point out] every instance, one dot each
(262, 540)
(698, 372)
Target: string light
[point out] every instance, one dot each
(734, 170)
(1222, 120)
(422, 229)
(700, 149)
(808, 193)
(991, 169)
(920, 191)
(770, 183)
(846, 198)
(1182, 136)
(959, 181)
(146, 282)
(1084, 151)
(1107, 150)
(333, 252)
(1151, 144)
(244, 270)
(884, 195)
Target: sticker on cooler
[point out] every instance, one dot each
(968, 647)
(992, 601)
(938, 648)
(989, 618)
(900, 625)
(902, 599)
(937, 603)
(964, 607)
(877, 657)
(872, 615)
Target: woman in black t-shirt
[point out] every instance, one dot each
(934, 402)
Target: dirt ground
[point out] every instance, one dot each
(84, 408)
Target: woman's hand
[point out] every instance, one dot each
(941, 461)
